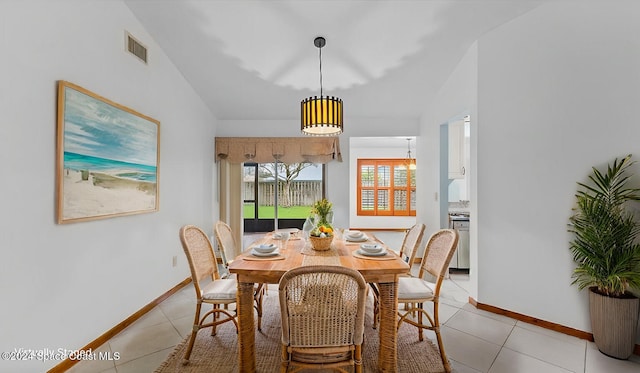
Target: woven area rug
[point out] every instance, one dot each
(220, 353)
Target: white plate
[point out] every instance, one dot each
(362, 252)
(371, 248)
(357, 239)
(355, 234)
(265, 248)
(256, 253)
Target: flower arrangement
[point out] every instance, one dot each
(324, 210)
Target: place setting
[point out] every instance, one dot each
(291, 234)
(264, 251)
(353, 237)
(373, 251)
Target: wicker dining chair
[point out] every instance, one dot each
(408, 250)
(209, 287)
(415, 291)
(322, 310)
(227, 245)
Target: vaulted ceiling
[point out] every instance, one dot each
(257, 60)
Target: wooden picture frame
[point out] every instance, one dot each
(108, 158)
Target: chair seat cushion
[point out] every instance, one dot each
(414, 288)
(221, 289)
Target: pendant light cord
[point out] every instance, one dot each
(320, 54)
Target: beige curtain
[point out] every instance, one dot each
(230, 199)
(285, 149)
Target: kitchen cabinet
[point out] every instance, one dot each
(456, 150)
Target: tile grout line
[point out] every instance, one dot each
(502, 347)
(167, 319)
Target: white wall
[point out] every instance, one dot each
(65, 285)
(557, 94)
(456, 98)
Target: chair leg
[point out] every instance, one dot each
(194, 332)
(215, 317)
(436, 328)
(434, 324)
(420, 334)
(376, 312)
(443, 356)
(376, 306)
(284, 366)
(260, 292)
(358, 359)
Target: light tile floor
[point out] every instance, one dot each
(475, 340)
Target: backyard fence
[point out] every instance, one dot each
(301, 193)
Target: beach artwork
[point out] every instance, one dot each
(107, 158)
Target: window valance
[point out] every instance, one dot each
(284, 149)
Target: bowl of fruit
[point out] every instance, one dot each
(321, 237)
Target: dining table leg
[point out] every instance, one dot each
(246, 328)
(388, 331)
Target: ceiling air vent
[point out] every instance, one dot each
(136, 48)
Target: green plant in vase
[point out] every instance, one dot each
(323, 209)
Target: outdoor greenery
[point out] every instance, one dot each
(267, 212)
(605, 231)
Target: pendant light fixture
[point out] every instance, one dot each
(410, 162)
(321, 116)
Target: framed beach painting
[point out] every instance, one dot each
(107, 158)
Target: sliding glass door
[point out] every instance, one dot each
(279, 195)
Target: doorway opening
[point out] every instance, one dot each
(455, 186)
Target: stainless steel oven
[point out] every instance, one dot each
(460, 260)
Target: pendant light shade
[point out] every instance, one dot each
(321, 116)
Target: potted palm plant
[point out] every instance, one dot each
(608, 256)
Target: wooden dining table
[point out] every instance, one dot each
(297, 252)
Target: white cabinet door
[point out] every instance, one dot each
(456, 150)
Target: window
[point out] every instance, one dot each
(299, 186)
(386, 187)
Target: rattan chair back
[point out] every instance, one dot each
(200, 255)
(226, 242)
(322, 310)
(438, 253)
(411, 242)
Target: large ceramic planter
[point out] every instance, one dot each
(614, 322)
